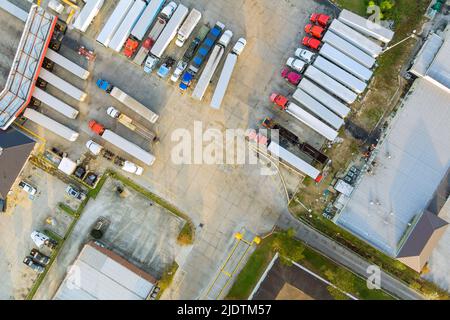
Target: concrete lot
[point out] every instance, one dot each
(222, 198)
(17, 224)
(142, 233)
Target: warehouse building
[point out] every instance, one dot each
(100, 274)
(400, 207)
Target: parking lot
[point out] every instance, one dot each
(21, 219)
(220, 199)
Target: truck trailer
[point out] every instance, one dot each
(90, 9)
(318, 109)
(128, 101)
(51, 125)
(365, 26)
(142, 52)
(349, 49)
(339, 74)
(122, 33)
(55, 103)
(62, 85)
(169, 31)
(146, 19)
(122, 143)
(330, 85)
(227, 71)
(211, 65)
(114, 21)
(304, 116)
(345, 62)
(323, 97)
(187, 27)
(65, 63)
(355, 38)
(131, 124)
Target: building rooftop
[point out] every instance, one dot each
(15, 148)
(100, 274)
(439, 71)
(26, 65)
(426, 55)
(410, 164)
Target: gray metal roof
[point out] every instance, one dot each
(426, 55)
(440, 68)
(100, 274)
(411, 163)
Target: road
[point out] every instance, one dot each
(345, 257)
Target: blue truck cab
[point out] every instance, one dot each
(104, 85)
(186, 81)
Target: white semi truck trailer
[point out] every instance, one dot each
(65, 63)
(114, 21)
(227, 71)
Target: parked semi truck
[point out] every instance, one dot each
(349, 49)
(62, 85)
(287, 136)
(187, 27)
(142, 52)
(51, 125)
(366, 26)
(55, 103)
(330, 85)
(90, 9)
(304, 116)
(169, 31)
(211, 65)
(340, 75)
(121, 143)
(131, 124)
(355, 38)
(128, 101)
(124, 30)
(65, 63)
(146, 19)
(201, 55)
(114, 21)
(125, 165)
(227, 71)
(345, 62)
(288, 157)
(318, 109)
(323, 97)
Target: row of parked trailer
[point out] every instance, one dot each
(154, 25)
(330, 80)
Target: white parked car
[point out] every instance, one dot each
(56, 6)
(296, 64)
(239, 46)
(94, 147)
(130, 167)
(28, 188)
(305, 55)
(181, 66)
(150, 64)
(168, 10)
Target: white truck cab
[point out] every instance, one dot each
(305, 55)
(296, 64)
(94, 147)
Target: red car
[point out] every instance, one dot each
(311, 43)
(315, 31)
(291, 76)
(88, 54)
(320, 18)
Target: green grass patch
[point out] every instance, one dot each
(289, 249)
(357, 6)
(167, 278)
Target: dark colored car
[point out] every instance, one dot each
(39, 257)
(191, 49)
(33, 265)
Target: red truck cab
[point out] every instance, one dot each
(130, 47)
(279, 100)
(315, 31)
(320, 18)
(291, 76)
(311, 43)
(96, 127)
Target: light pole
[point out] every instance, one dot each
(300, 203)
(412, 35)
